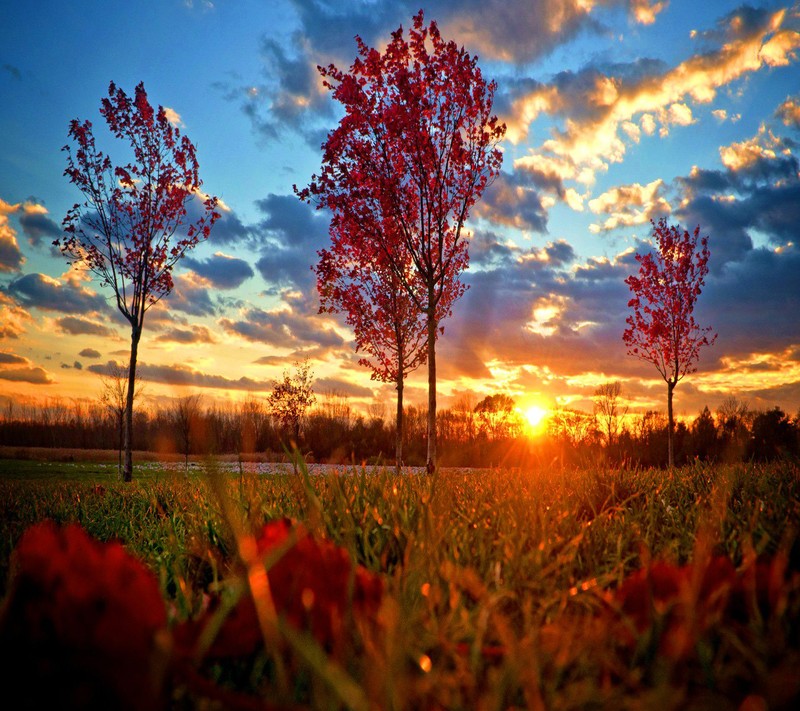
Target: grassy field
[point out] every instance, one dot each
(553, 589)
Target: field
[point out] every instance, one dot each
(493, 589)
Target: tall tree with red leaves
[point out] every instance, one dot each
(414, 151)
(662, 329)
(125, 230)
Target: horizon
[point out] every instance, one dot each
(616, 115)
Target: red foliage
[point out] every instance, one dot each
(662, 329)
(123, 231)
(680, 604)
(314, 586)
(414, 151)
(82, 623)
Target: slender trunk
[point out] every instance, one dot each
(670, 425)
(136, 334)
(431, 466)
(120, 441)
(398, 436)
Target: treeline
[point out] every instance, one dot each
(469, 435)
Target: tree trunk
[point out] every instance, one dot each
(398, 432)
(136, 334)
(431, 466)
(120, 441)
(670, 425)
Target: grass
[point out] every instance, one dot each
(497, 584)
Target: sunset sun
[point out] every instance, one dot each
(535, 416)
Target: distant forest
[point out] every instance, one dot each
(489, 433)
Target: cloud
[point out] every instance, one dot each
(789, 111)
(758, 190)
(512, 201)
(270, 360)
(222, 270)
(190, 295)
(11, 359)
(228, 229)
(173, 117)
(282, 329)
(13, 317)
(342, 387)
(752, 300)
(293, 232)
(645, 11)
(11, 259)
(288, 93)
(196, 334)
(629, 205)
(43, 292)
(78, 326)
(181, 375)
(202, 5)
(36, 225)
(35, 376)
(536, 306)
(597, 102)
(89, 353)
(520, 32)
(764, 149)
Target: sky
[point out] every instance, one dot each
(617, 112)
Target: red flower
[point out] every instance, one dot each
(314, 586)
(81, 624)
(687, 600)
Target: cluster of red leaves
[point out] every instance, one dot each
(124, 231)
(686, 602)
(83, 626)
(662, 329)
(314, 586)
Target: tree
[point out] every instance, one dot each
(387, 326)
(734, 416)
(123, 231)
(186, 415)
(291, 397)
(662, 329)
(497, 416)
(572, 429)
(774, 436)
(607, 410)
(415, 150)
(114, 398)
(705, 438)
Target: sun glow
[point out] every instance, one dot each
(536, 418)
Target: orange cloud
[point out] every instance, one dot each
(629, 205)
(13, 317)
(605, 105)
(789, 111)
(645, 12)
(764, 145)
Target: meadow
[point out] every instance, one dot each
(494, 589)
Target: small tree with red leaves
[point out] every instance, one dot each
(662, 329)
(415, 150)
(123, 231)
(388, 328)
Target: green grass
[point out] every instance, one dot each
(511, 560)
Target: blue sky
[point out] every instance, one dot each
(617, 112)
